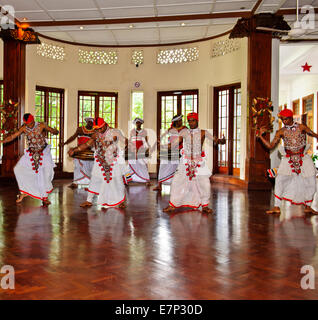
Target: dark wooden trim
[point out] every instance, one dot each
(235, 85)
(286, 12)
(135, 45)
(215, 128)
(51, 89)
(230, 132)
(116, 111)
(99, 93)
(257, 4)
(298, 40)
(237, 14)
(14, 68)
(258, 85)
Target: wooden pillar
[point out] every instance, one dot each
(14, 59)
(258, 85)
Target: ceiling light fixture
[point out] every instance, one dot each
(183, 24)
(131, 26)
(81, 27)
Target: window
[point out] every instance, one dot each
(1, 103)
(171, 103)
(227, 122)
(308, 118)
(98, 104)
(296, 107)
(49, 108)
(137, 105)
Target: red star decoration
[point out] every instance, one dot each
(306, 67)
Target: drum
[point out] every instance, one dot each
(87, 155)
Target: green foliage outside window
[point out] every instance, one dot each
(137, 105)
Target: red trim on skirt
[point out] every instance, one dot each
(292, 202)
(35, 197)
(116, 204)
(188, 206)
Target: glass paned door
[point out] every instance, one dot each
(97, 104)
(227, 123)
(49, 108)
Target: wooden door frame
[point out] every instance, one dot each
(232, 86)
(294, 102)
(171, 93)
(59, 166)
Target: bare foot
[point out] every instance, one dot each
(73, 186)
(148, 184)
(20, 197)
(314, 212)
(274, 210)
(308, 209)
(46, 203)
(122, 205)
(207, 210)
(169, 209)
(86, 204)
(157, 188)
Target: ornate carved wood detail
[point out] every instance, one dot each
(245, 26)
(241, 29)
(9, 112)
(14, 55)
(25, 35)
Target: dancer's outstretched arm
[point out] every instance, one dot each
(49, 129)
(71, 138)
(83, 146)
(213, 138)
(274, 142)
(308, 131)
(13, 135)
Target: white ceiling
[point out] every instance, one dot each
(138, 33)
(292, 57)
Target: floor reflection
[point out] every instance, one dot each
(238, 252)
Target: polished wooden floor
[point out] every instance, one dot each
(239, 252)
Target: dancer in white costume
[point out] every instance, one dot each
(296, 176)
(190, 186)
(34, 171)
(107, 175)
(83, 162)
(138, 141)
(169, 166)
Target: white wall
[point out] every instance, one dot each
(293, 87)
(203, 75)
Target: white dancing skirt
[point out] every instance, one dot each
(82, 171)
(138, 170)
(297, 189)
(193, 193)
(166, 172)
(109, 194)
(37, 185)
